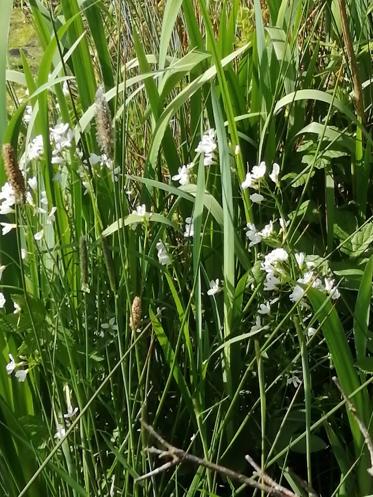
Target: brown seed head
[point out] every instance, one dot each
(103, 123)
(13, 172)
(135, 314)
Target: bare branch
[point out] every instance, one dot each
(178, 456)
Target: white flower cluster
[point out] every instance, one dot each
(273, 267)
(20, 373)
(207, 147)
(7, 198)
(61, 137)
(310, 279)
(162, 253)
(254, 178)
(256, 236)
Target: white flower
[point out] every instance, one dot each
(275, 174)
(274, 257)
(33, 183)
(248, 182)
(27, 114)
(62, 136)
(23, 254)
(189, 228)
(17, 308)
(331, 289)
(309, 278)
(2, 300)
(207, 146)
(300, 257)
(253, 235)
(258, 326)
(111, 325)
(283, 224)
(39, 235)
(61, 432)
(21, 374)
(296, 294)
(70, 410)
(163, 256)
(11, 366)
(51, 217)
(258, 172)
(35, 148)
(214, 287)
(294, 380)
(271, 282)
(267, 231)
(237, 150)
(183, 174)
(311, 331)
(256, 198)
(264, 308)
(140, 210)
(6, 227)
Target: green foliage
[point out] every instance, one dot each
(215, 305)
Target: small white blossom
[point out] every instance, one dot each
(267, 231)
(214, 287)
(296, 294)
(256, 198)
(271, 282)
(331, 289)
(17, 308)
(33, 183)
(2, 300)
(253, 234)
(11, 366)
(237, 150)
(264, 308)
(275, 174)
(110, 326)
(258, 326)
(300, 257)
(21, 374)
(6, 227)
(35, 148)
(61, 432)
(183, 174)
(140, 210)
(258, 172)
(163, 256)
(294, 380)
(207, 147)
(311, 331)
(51, 217)
(189, 228)
(39, 235)
(248, 182)
(23, 254)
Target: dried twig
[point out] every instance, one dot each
(363, 429)
(178, 455)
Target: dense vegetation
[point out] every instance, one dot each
(187, 234)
